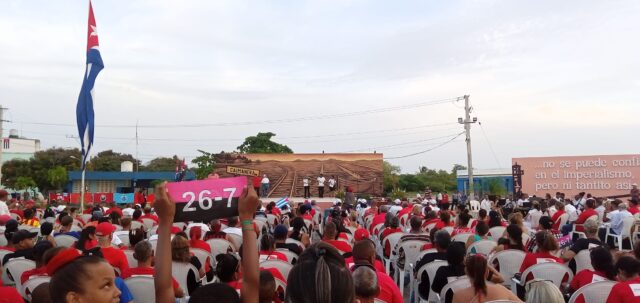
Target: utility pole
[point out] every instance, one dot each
(1, 145)
(467, 128)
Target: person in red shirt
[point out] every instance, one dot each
(149, 215)
(406, 209)
(462, 223)
(195, 234)
(393, 228)
(431, 217)
(586, 214)
(267, 249)
(445, 220)
(556, 216)
(113, 208)
(39, 251)
(9, 294)
(379, 218)
(547, 243)
(633, 206)
(364, 255)
(143, 253)
(115, 256)
(330, 233)
(626, 291)
(603, 270)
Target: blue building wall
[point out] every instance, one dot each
(481, 182)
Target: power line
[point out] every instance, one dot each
(489, 144)
(399, 144)
(273, 121)
(426, 151)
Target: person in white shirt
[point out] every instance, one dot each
(4, 208)
(332, 183)
(572, 211)
(600, 209)
(128, 211)
(264, 190)
(486, 204)
(233, 227)
(321, 181)
(305, 185)
(617, 219)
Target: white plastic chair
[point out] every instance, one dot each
(180, 272)
(392, 241)
(563, 219)
(18, 266)
(180, 225)
(583, 260)
(453, 286)
(552, 271)
(136, 225)
(449, 229)
(509, 262)
(3, 240)
(463, 237)
(154, 243)
(124, 238)
(535, 219)
(411, 250)
(431, 269)
(236, 240)
(429, 227)
(219, 246)
(484, 247)
(148, 223)
(595, 292)
(142, 288)
(132, 261)
(272, 220)
(65, 240)
(86, 217)
(404, 220)
(496, 232)
(31, 284)
(202, 256)
(294, 241)
(291, 256)
(281, 266)
(627, 223)
(376, 229)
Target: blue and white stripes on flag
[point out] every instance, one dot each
(282, 202)
(84, 108)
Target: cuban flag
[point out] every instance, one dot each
(282, 202)
(84, 109)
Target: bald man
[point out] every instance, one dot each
(364, 253)
(365, 282)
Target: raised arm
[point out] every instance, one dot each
(251, 271)
(166, 209)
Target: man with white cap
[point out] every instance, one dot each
(396, 207)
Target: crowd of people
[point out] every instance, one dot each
(376, 250)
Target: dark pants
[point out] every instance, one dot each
(257, 190)
(307, 192)
(320, 191)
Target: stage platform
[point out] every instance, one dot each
(323, 203)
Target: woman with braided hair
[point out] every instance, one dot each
(480, 291)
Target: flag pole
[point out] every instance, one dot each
(82, 191)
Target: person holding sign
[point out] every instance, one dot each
(321, 181)
(166, 210)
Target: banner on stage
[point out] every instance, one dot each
(204, 200)
(242, 171)
(123, 198)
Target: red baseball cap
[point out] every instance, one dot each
(175, 230)
(104, 229)
(361, 234)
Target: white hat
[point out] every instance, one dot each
(433, 202)
(397, 201)
(634, 184)
(337, 201)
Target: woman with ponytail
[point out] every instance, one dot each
(481, 291)
(195, 234)
(320, 276)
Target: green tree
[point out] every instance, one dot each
(109, 160)
(262, 144)
(205, 163)
(57, 177)
(494, 186)
(162, 164)
(457, 167)
(38, 166)
(24, 183)
(438, 180)
(390, 176)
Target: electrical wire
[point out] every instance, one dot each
(274, 121)
(486, 138)
(425, 151)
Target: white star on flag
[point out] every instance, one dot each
(94, 31)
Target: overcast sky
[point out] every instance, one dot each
(545, 77)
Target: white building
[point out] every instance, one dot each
(15, 147)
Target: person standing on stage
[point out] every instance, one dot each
(265, 186)
(332, 183)
(305, 184)
(321, 181)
